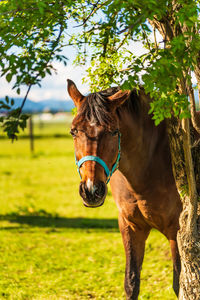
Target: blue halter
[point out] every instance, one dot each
(101, 162)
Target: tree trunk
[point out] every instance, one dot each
(185, 154)
(183, 160)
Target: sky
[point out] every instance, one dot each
(55, 86)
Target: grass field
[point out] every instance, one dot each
(51, 246)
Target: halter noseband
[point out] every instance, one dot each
(101, 162)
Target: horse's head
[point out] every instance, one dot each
(96, 134)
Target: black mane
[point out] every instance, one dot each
(96, 107)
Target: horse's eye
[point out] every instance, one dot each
(73, 132)
(115, 132)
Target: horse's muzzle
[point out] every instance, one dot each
(93, 195)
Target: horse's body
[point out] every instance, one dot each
(143, 187)
(145, 192)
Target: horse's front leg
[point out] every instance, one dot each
(134, 239)
(176, 266)
(171, 234)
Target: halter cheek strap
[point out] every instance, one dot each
(101, 162)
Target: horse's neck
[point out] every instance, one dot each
(144, 146)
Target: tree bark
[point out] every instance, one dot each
(189, 234)
(185, 153)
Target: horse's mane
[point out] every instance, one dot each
(96, 108)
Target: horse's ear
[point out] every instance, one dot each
(74, 93)
(119, 98)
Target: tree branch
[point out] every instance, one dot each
(123, 41)
(95, 8)
(24, 100)
(155, 39)
(146, 37)
(54, 45)
(19, 10)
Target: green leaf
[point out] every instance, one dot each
(9, 77)
(157, 122)
(24, 117)
(48, 71)
(4, 106)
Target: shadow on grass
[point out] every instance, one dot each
(59, 222)
(40, 136)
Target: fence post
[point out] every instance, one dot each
(31, 134)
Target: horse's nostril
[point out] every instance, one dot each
(82, 190)
(93, 197)
(100, 191)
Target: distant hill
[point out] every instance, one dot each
(52, 106)
(57, 105)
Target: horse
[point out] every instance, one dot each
(116, 140)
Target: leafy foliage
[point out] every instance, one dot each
(31, 38)
(33, 34)
(164, 65)
(13, 121)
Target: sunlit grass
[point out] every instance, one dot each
(52, 247)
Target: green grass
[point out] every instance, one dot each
(51, 246)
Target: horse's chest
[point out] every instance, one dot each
(138, 211)
(149, 212)
(147, 207)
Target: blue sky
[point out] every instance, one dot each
(55, 87)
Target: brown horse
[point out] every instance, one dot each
(114, 121)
